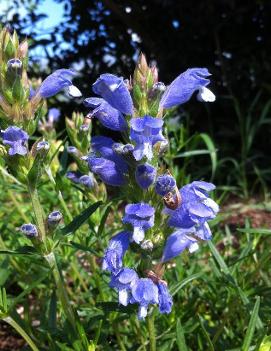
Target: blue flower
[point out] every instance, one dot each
(146, 132)
(115, 251)
(196, 206)
(16, 138)
(57, 81)
(141, 217)
(111, 167)
(53, 115)
(77, 177)
(185, 238)
(165, 184)
(164, 297)
(114, 90)
(106, 114)
(123, 282)
(183, 87)
(179, 241)
(108, 170)
(145, 175)
(144, 292)
(104, 147)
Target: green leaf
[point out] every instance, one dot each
(80, 219)
(263, 231)
(180, 337)
(212, 151)
(52, 313)
(184, 282)
(251, 326)
(205, 333)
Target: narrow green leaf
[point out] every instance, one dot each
(52, 313)
(80, 219)
(103, 220)
(218, 258)
(184, 282)
(263, 231)
(251, 326)
(205, 333)
(212, 150)
(180, 336)
(193, 153)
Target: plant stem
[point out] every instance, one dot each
(38, 211)
(61, 291)
(119, 339)
(20, 330)
(151, 329)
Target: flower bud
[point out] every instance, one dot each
(43, 146)
(147, 245)
(14, 64)
(72, 150)
(29, 230)
(54, 218)
(165, 184)
(145, 175)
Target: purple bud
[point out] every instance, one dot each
(14, 63)
(145, 175)
(165, 184)
(29, 230)
(54, 218)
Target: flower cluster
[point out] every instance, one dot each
(133, 167)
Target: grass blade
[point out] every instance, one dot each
(80, 219)
(180, 337)
(251, 326)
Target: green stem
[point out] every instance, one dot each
(151, 329)
(38, 211)
(59, 194)
(119, 339)
(20, 330)
(61, 291)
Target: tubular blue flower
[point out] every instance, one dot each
(144, 292)
(145, 175)
(196, 206)
(123, 282)
(106, 114)
(104, 146)
(141, 217)
(111, 167)
(77, 177)
(108, 170)
(57, 81)
(185, 238)
(179, 241)
(53, 115)
(114, 90)
(115, 251)
(165, 184)
(146, 132)
(164, 297)
(183, 87)
(43, 145)
(16, 138)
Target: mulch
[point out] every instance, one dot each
(9, 340)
